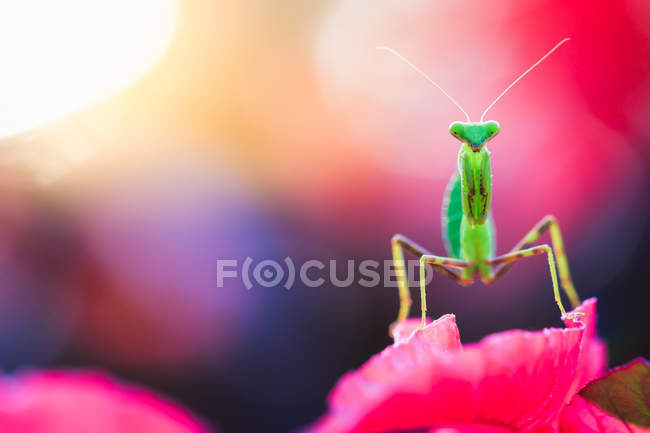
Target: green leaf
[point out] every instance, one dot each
(623, 393)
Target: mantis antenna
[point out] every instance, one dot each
(524, 74)
(418, 70)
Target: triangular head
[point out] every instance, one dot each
(474, 134)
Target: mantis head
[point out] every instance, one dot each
(474, 134)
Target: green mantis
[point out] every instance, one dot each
(468, 228)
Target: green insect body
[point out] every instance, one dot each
(475, 233)
(467, 226)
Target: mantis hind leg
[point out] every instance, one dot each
(400, 243)
(547, 223)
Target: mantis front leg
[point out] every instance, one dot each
(400, 243)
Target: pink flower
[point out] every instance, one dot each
(511, 381)
(64, 402)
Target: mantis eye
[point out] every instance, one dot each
(456, 129)
(492, 128)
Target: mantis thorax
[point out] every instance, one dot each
(474, 167)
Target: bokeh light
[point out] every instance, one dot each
(61, 56)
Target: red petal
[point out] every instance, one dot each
(443, 332)
(470, 428)
(57, 401)
(593, 358)
(515, 379)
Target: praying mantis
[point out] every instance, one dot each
(468, 227)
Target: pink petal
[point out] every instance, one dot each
(443, 333)
(63, 402)
(515, 380)
(582, 416)
(593, 358)
(470, 428)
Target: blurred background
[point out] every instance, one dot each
(143, 141)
